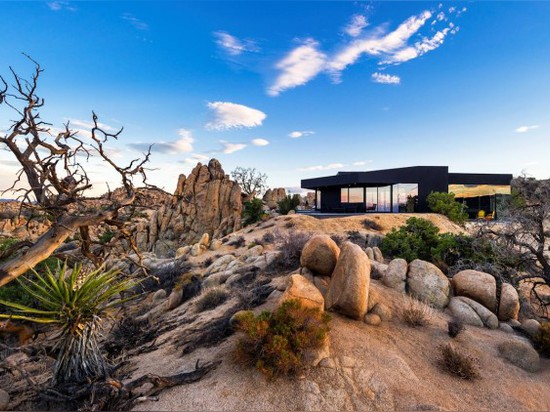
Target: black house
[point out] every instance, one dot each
(405, 190)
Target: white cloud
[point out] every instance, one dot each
(232, 45)
(134, 21)
(361, 163)
(83, 124)
(356, 25)
(297, 134)
(196, 158)
(183, 145)
(60, 5)
(234, 116)
(523, 129)
(385, 78)
(321, 167)
(420, 48)
(259, 142)
(229, 148)
(300, 66)
(441, 16)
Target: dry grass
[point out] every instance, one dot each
(455, 327)
(458, 362)
(211, 298)
(416, 313)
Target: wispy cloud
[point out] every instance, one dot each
(232, 45)
(361, 163)
(356, 25)
(524, 129)
(83, 124)
(135, 22)
(321, 167)
(182, 145)
(298, 134)
(385, 78)
(60, 5)
(196, 158)
(229, 148)
(259, 142)
(233, 116)
(300, 66)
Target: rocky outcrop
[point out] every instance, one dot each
(427, 283)
(470, 312)
(303, 290)
(206, 201)
(348, 291)
(479, 286)
(320, 255)
(272, 196)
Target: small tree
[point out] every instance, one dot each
(445, 204)
(253, 210)
(251, 181)
(288, 203)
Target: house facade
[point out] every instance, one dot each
(404, 190)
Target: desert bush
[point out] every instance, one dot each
(371, 225)
(288, 203)
(414, 240)
(542, 340)
(445, 204)
(276, 343)
(455, 327)
(237, 242)
(268, 237)
(207, 262)
(458, 362)
(75, 300)
(211, 298)
(165, 276)
(290, 245)
(253, 211)
(416, 313)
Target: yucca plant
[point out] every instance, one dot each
(76, 300)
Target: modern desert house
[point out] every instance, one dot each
(405, 190)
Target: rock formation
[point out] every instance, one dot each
(206, 201)
(272, 196)
(320, 255)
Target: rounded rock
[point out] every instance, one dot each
(320, 255)
(479, 286)
(372, 319)
(509, 303)
(428, 284)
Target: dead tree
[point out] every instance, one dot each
(53, 180)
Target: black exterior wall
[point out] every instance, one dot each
(429, 179)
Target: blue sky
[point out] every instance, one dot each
(294, 89)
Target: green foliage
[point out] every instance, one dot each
(458, 363)
(211, 298)
(74, 300)
(445, 204)
(276, 343)
(5, 244)
(542, 339)
(253, 211)
(414, 240)
(288, 203)
(106, 236)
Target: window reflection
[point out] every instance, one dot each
(356, 195)
(405, 197)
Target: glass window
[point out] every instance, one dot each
(356, 195)
(384, 199)
(371, 200)
(317, 199)
(405, 197)
(462, 191)
(344, 195)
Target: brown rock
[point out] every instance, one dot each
(348, 292)
(428, 284)
(521, 354)
(479, 286)
(383, 311)
(509, 303)
(378, 254)
(320, 255)
(372, 319)
(272, 196)
(302, 289)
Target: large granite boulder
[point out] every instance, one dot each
(272, 196)
(303, 290)
(348, 291)
(470, 312)
(206, 201)
(320, 255)
(479, 286)
(396, 275)
(520, 353)
(509, 303)
(427, 283)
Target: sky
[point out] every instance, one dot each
(294, 89)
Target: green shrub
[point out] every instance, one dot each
(414, 240)
(542, 340)
(253, 211)
(445, 204)
(211, 298)
(288, 203)
(458, 362)
(106, 236)
(276, 343)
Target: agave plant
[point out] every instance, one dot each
(76, 300)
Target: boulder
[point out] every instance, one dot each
(531, 327)
(382, 310)
(378, 254)
(215, 244)
(506, 328)
(509, 302)
(204, 240)
(396, 275)
(374, 298)
(479, 286)
(175, 298)
(471, 312)
(197, 249)
(370, 253)
(427, 283)
(320, 255)
(521, 354)
(348, 292)
(372, 319)
(378, 270)
(182, 251)
(302, 289)
(322, 283)
(273, 196)
(219, 264)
